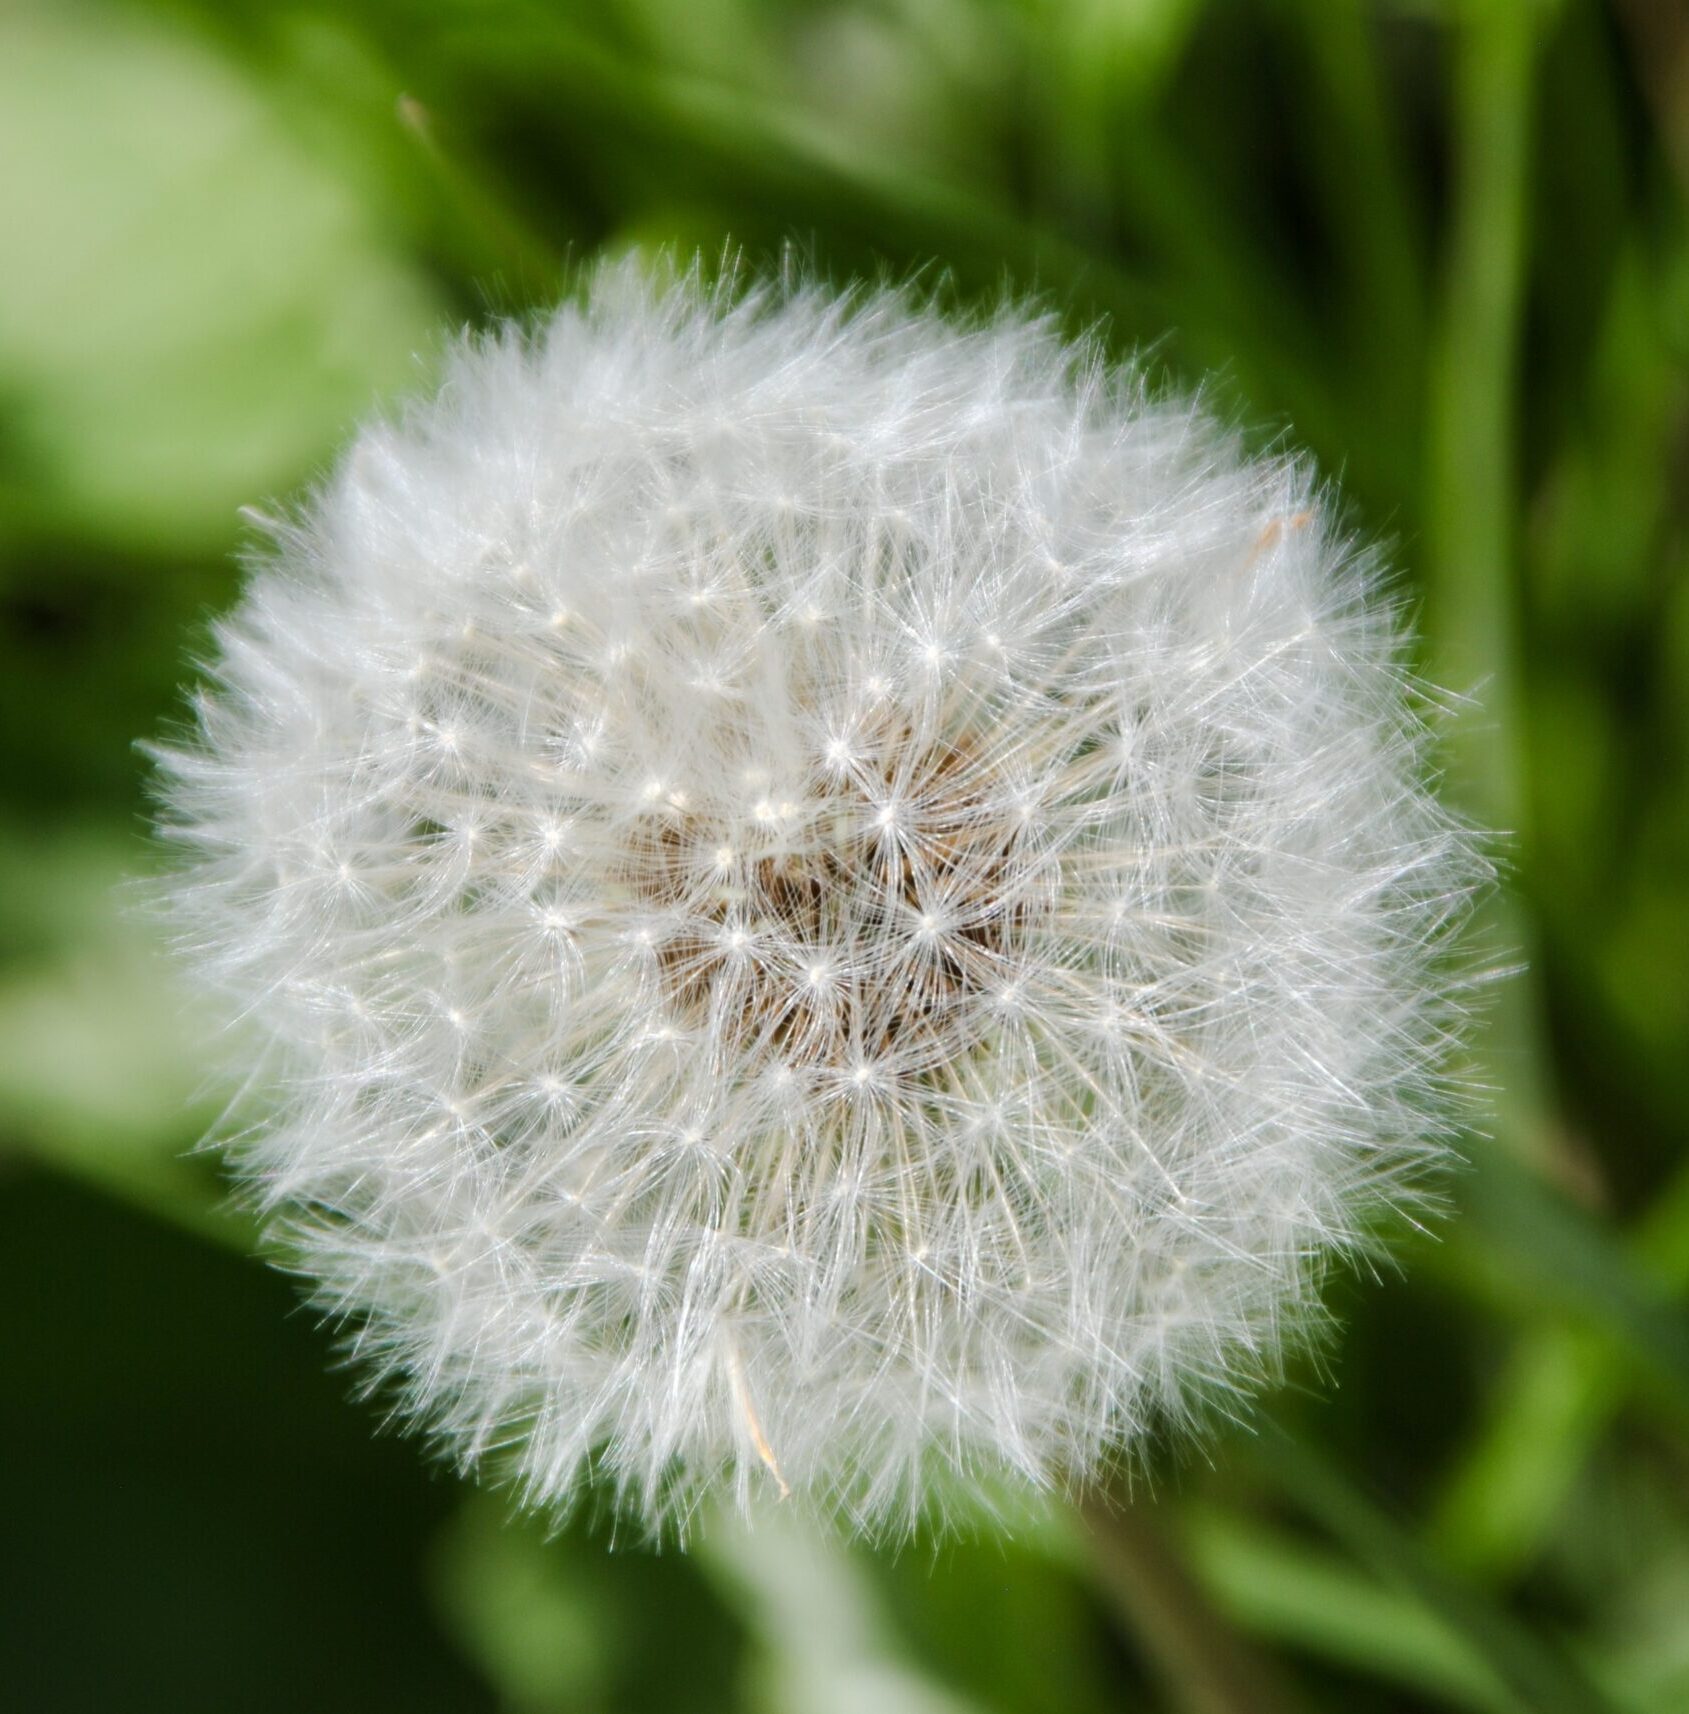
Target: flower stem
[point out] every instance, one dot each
(1205, 1665)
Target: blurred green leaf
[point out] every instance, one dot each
(192, 308)
(100, 1070)
(563, 1619)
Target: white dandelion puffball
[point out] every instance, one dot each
(831, 900)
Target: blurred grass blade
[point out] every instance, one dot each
(733, 138)
(496, 241)
(1523, 1244)
(1309, 1599)
(1546, 1414)
(1548, 1405)
(1370, 220)
(760, 156)
(1540, 1676)
(1471, 500)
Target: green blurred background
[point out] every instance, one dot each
(1441, 243)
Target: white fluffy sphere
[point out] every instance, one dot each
(832, 899)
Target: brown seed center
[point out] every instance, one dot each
(860, 924)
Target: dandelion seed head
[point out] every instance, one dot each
(832, 901)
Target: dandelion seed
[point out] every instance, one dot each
(905, 862)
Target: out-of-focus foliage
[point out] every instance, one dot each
(1443, 244)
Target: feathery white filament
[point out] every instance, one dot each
(833, 897)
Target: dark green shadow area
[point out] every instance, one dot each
(198, 1515)
(187, 1523)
